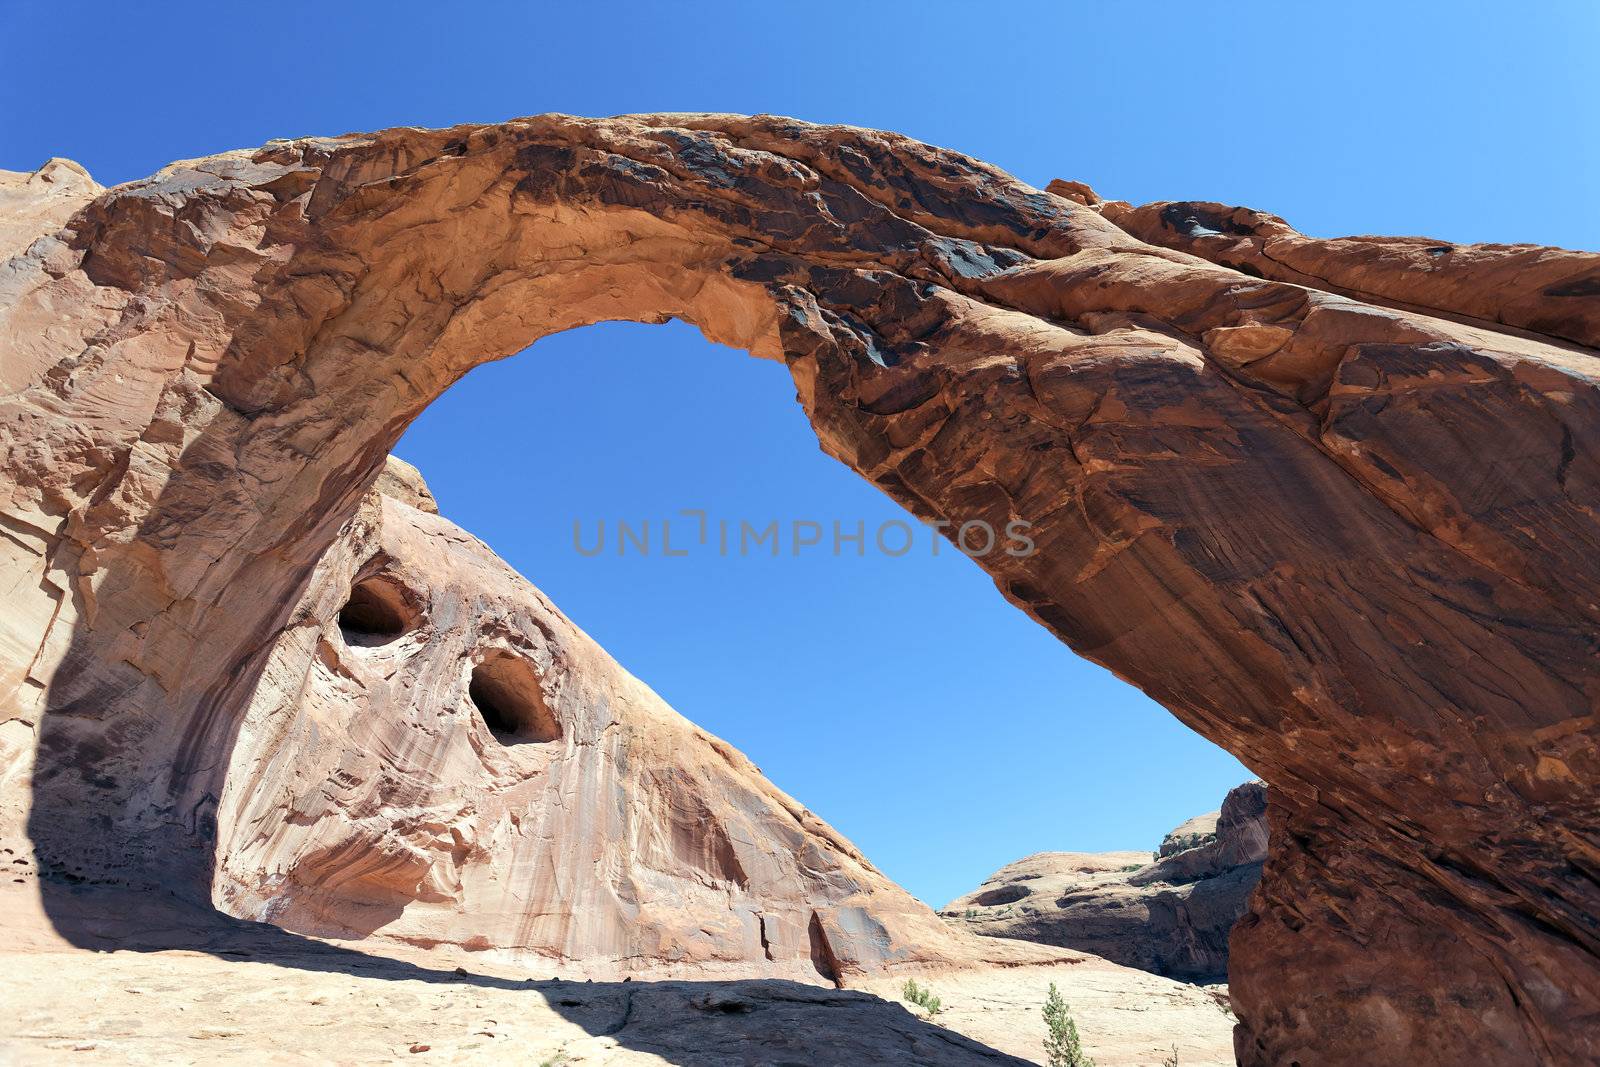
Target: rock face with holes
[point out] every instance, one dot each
(1333, 503)
(434, 755)
(1170, 912)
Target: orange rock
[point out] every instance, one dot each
(1361, 558)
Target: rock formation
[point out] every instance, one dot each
(434, 755)
(1339, 520)
(1172, 915)
(41, 202)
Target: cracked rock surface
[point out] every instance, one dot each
(1332, 503)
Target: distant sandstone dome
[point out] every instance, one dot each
(1170, 914)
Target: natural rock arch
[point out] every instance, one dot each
(1351, 542)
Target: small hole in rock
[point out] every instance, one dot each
(379, 611)
(505, 690)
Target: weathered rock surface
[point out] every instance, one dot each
(1171, 915)
(1548, 291)
(33, 203)
(435, 755)
(404, 483)
(1350, 539)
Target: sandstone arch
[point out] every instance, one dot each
(1349, 541)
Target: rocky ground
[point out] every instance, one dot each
(245, 993)
(1125, 1016)
(179, 1007)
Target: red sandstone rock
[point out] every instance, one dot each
(1544, 290)
(1350, 539)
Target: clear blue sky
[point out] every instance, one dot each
(901, 699)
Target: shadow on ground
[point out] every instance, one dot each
(765, 1022)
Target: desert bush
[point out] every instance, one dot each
(1061, 1045)
(922, 997)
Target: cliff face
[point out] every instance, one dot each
(1342, 524)
(1171, 916)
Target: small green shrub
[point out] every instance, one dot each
(922, 997)
(1061, 1045)
(972, 913)
(1133, 867)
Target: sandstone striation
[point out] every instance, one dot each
(1340, 521)
(434, 756)
(1547, 291)
(1171, 915)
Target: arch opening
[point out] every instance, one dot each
(666, 604)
